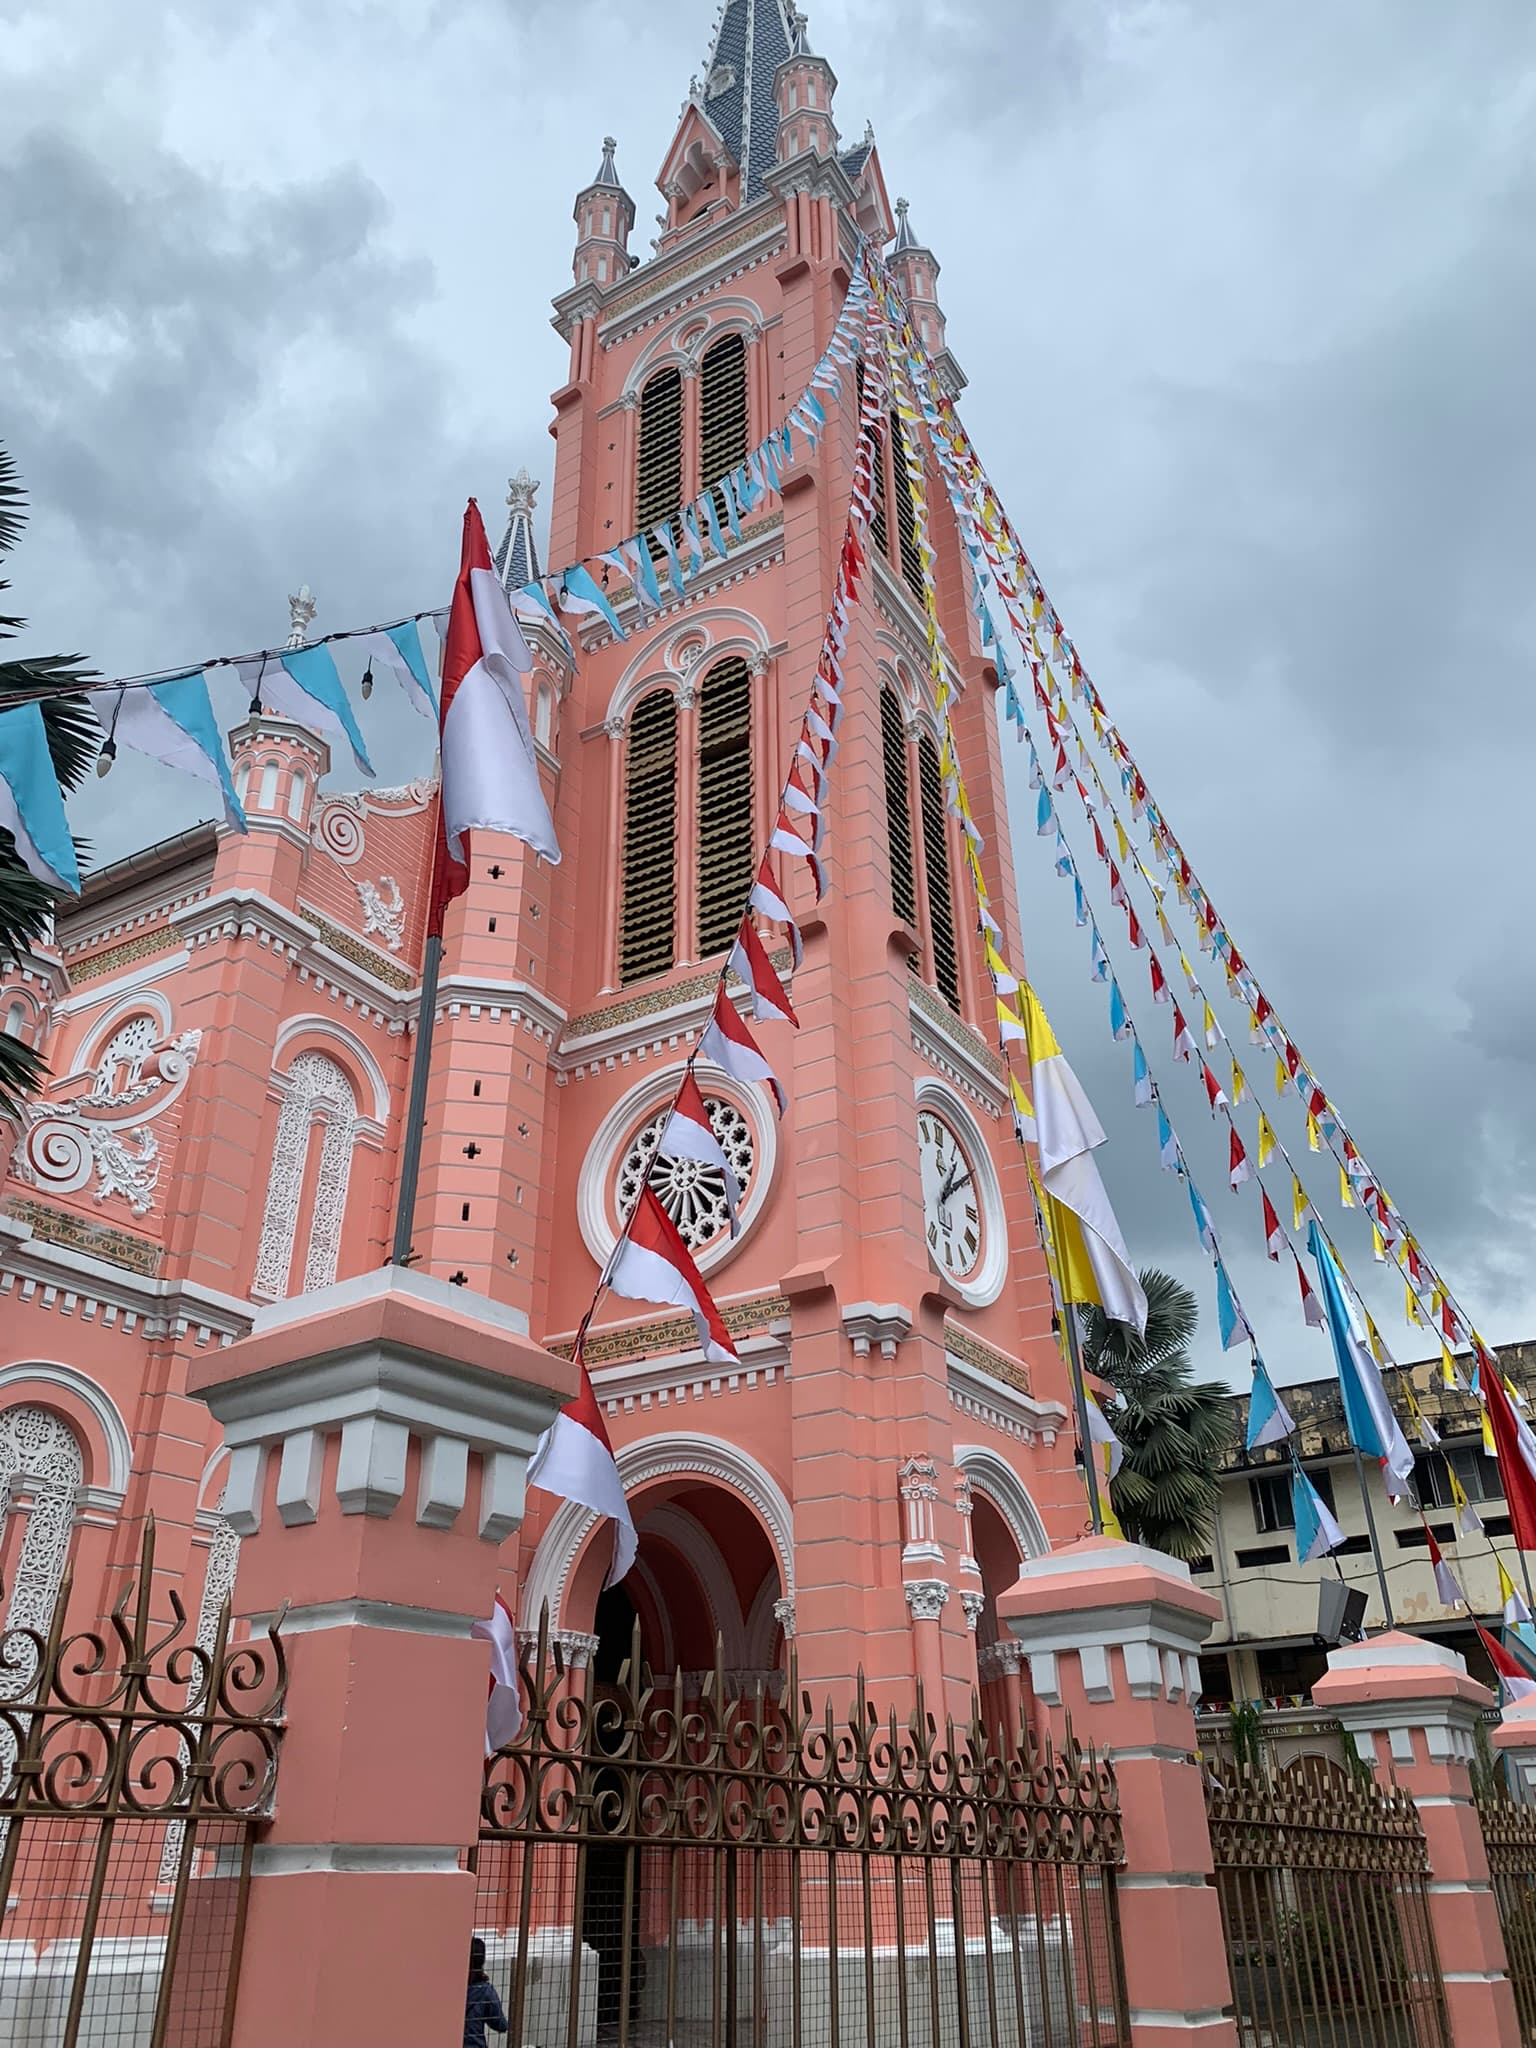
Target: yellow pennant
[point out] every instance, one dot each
(1459, 1499)
(1489, 1446)
(1346, 1192)
(1378, 1246)
(1021, 1101)
(1266, 1140)
(1411, 1307)
(1282, 1079)
(1437, 1301)
(1120, 839)
(1210, 1025)
(1298, 1201)
(1004, 980)
(1447, 1363)
(1314, 1135)
(1239, 1084)
(1382, 1355)
(1187, 970)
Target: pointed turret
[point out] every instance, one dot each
(517, 559)
(916, 271)
(803, 86)
(752, 39)
(604, 215)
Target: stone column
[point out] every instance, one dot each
(379, 1436)
(1412, 1710)
(1112, 1632)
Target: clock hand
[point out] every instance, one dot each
(955, 1186)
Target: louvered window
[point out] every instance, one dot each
(898, 807)
(906, 518)
(722, 412)
(941, 905)
(725, 803)
(659, 487)
(650, 839)
(877, 517)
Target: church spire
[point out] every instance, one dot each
(752, 39)
(517, 559)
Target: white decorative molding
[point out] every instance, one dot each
(983, 1286)
(964, 1507)
(918, 1480)
(926, 1598)
(680, 658)
(611, 1141)
(41, 1466)
(383, 914)
(577, 1649)
(973, 1602)
(870, 1324)
(313, 1024)
(988, 1472)
(46, 1374)
(784, 1615)
(640, 1464)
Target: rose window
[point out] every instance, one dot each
(692, 1194)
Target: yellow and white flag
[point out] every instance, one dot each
(1067, 1134)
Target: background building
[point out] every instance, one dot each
(1268, 1646)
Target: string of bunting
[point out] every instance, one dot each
(650, 1262)
(1270, 1422)
(168, 715)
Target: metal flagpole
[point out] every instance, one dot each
(1370, 1523)
(416, 1108)
(1085, 1436)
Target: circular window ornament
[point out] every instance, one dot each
(692, 1193)
(622, 1157)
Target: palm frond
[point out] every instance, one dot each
(13, 503)
(74, 736)
(26, 904)
(22, 1071)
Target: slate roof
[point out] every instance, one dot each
(752, 39)
(517, 559)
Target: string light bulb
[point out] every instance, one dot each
(106, 757)
(366, 685)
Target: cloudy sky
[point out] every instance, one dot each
(1247, 299)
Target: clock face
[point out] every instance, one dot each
(951, 1203)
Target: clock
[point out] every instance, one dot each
(951, 1198)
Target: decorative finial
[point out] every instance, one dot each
(901, 209)
(301, 614)
(869, 134)
(521, 491)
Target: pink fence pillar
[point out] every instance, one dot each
(379, 1435)
(1412, 1709)
(1515, 1739)
(1112, 1632)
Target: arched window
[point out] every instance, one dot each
(647, 918)
(906, 517)
(317, 1122)
(898, 806)
(40, 1456)
(16, 1021)
(267, 795)
(543, 714)
(941, 907)
(659, 469)
(298, 789)
(877, 528)
(725, 803)
(722, 411)
(242, 782)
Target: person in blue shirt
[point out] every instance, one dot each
(482, 2008)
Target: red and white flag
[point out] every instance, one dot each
(1274, 1235)
(766, 898)
(653, 1264)
(689, 1134)
(490, 771)
(1238, 1169)
(749, 959)
(504, 1706)
(1513, 1676)
(1311, 1307)
(727, 1041)
(1447, 1591)
(1183, 1043)
(1159, 985)
(575, 1461)
(786, 839)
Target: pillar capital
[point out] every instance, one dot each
(1397, 1687)
(1515, 1739)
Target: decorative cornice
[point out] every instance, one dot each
(600, 1039)
(351, 949)
(653, 285)
(60, 1277)
(965, 1344)
(975, 1067)
(123, 1248)
(518, 1001)
(673, 1333)
(161, 939)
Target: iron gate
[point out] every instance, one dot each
(135, 1764)
(1509, 1836)
(1322, 1875)
(745, 1874)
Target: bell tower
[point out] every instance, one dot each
(897, 1437)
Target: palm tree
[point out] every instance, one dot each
(1174, 1428)
(26, 905)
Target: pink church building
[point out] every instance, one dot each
(230, 1023)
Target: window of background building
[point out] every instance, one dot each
(1478, 1474)
(1271, 1495)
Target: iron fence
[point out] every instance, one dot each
(1509, 1836)
(743, 1873)
(135, 1763)
(1322, 1878)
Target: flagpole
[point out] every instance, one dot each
(416, 1107)
(1085, 1438)
(1370, 1523)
